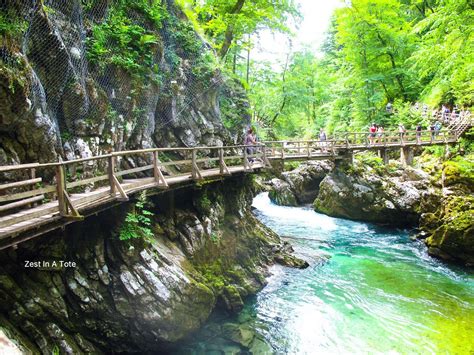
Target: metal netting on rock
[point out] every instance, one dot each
(110, 75)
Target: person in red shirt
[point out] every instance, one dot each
(372, 130)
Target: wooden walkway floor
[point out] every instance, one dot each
(43, 197)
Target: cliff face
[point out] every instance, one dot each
(82, 77)
(141, 295)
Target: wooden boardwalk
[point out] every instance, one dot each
(37, 198)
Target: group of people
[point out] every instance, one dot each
(376, 133)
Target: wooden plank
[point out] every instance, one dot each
(134, 170)
(21, 203)
(28, 214)
(203, 160)
(18, 167)
(176, 162)
(87, 181)
(20, 183)
(22, 195)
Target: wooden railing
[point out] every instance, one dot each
(64, 188)
(114, 173)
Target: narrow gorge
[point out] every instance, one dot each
(236, 177)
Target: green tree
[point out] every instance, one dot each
(227, 22)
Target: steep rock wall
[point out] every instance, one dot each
(138, 296)
(83, 77)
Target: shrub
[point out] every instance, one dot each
(137, 222)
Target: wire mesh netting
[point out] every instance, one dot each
(109, 75)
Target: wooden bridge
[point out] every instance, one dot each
(37, 198)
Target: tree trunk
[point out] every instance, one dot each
(229, 32)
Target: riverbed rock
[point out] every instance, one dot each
(449, 230)
(370, 196)
(300, 185)
(281, 193)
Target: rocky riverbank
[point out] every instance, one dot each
(139, 295)
(435, 196)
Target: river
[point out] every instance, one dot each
(368, 290)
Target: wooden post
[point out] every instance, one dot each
(406, 155)
(159, 178)
(347, 140)
(283, 150)
(110, 171)
(266, 162)
(308, 146)
(32, 187)
(195, 173)
(222, 165)
(60, 188)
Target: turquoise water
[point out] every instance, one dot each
(368, 290)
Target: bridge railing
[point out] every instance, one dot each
(392, 138)
(66, 186)
(299, 148)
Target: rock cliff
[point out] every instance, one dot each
(139, 295)
(82, 77)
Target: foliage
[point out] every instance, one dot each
(137, 222)
(376, 52)
(11, 25)
(203, 203)
(120, 42)
(444, 60)
(227, 22)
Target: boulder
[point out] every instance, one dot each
(301, 185)
(281, 193)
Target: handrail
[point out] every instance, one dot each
(31, 191)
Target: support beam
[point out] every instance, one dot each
(123, 195)
(265, 158)
(383, 153)
(195, 173)
(406, 156)
(223, 169)
(72, 213)
(159, 178)
(60, 188)
(110, 172)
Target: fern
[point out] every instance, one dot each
(138, 222)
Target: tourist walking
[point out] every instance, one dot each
(322, 139)
(418, 133)
(380, 134)
(372, 133)
(433, 131)
(401, 131)
(250, 141)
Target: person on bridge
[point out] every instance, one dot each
(322, 139)
(250, 141)
(433, 131)
(380, 134)
(437, 128)
(418, 133)
(372, 133)
(401, 131)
